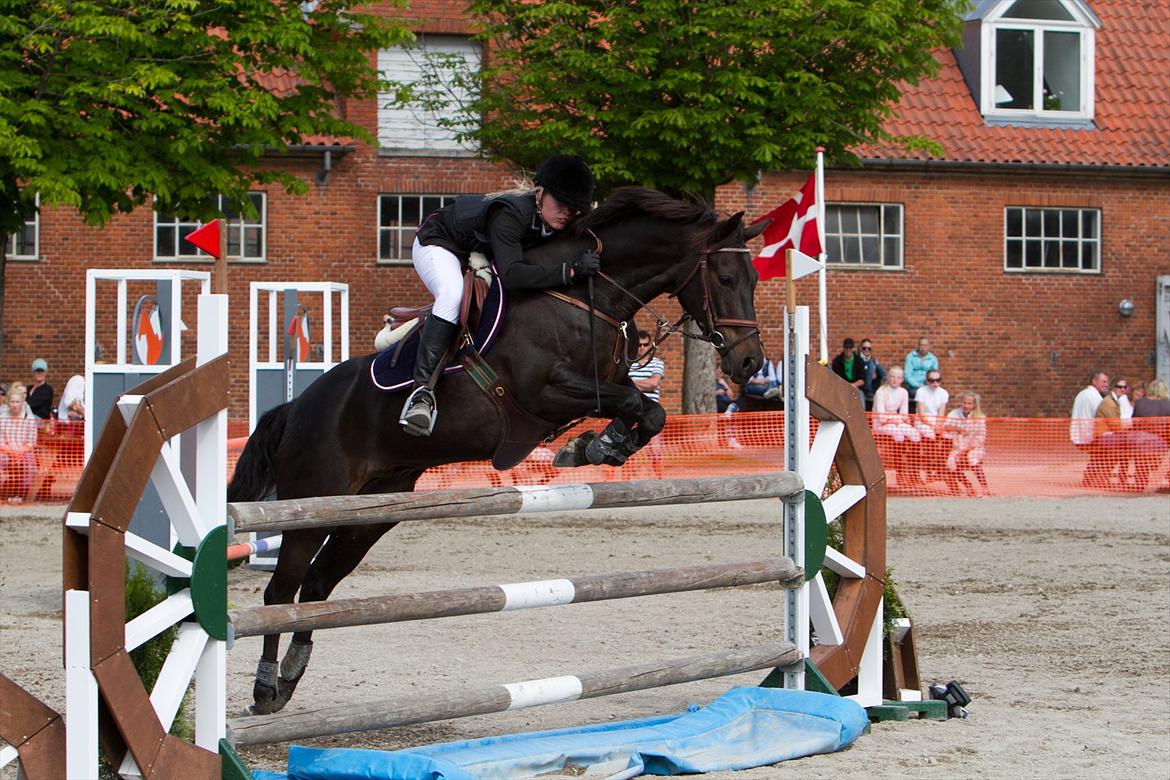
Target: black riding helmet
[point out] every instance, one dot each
(569, 180)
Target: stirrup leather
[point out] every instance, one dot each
(419, 412)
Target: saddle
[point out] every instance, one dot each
(480, 315)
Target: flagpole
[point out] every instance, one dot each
(822, 304)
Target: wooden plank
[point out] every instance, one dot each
(22, 714)
(346, 718)
(107, 592)
(191, 398)
(395, 608)
(129, 707)
(330, 511)
(129, 472)
(42, 757)
(178, 759)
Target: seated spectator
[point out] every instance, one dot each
(929, 413)
(18, 443)
(891, 410)
(1151, 430)
(966, 428)
(764, 383)
(872, 372)
(722, 390)
(16, 388)
(40, 392)
(849, 367)
(72, 405)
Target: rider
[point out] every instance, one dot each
(500, 226)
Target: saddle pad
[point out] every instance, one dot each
(392, 379)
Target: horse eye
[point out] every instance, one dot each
(726, 281)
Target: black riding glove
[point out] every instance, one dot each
(586, 265)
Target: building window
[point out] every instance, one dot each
(246, 237)
(861, 235)
(24, 244)
(1060, 240)
(434, 71)
(398, 218)
(1038, 60)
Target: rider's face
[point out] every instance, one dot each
(554, 213)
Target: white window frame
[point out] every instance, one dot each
(415, 131)
(11, 238)
(1045, 240)
(1082, 25)
(403, 227)
(235, 228)
(883, 233)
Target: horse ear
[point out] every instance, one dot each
(726, 228)
(752, 231)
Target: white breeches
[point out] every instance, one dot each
(442, 273)
(900, 431)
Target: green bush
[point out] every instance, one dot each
(142, 593)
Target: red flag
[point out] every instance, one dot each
(794, 226)
(207, 237)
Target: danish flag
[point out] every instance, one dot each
(794, 226)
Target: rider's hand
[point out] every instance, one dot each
(586, 265)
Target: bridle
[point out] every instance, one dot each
(709, 328)
(713, 320)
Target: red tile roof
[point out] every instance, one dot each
(1132, 121)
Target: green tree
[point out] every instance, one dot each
(107, 103)
(686, 95)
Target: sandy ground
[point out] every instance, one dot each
(1054, 614)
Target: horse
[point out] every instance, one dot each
(342, 435)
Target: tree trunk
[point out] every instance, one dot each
(3, 263)
(698, 375)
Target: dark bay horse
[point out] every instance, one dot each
(342, 436)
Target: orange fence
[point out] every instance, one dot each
(1010, 457)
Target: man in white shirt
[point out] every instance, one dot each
(1080, 427)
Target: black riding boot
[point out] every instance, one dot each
(419, 413)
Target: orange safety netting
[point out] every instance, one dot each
(1014, 456)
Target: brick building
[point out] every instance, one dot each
(1012, 249)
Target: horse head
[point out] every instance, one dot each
(718, 292)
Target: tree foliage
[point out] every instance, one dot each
(686, 95)
(106, 103)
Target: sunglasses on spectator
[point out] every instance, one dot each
(1122, 387)
(866, 349)
(934, 380)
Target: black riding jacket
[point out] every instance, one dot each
(501, 227)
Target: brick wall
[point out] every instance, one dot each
(1025, 341)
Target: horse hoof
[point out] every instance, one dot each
(266, 699)
(573, 453)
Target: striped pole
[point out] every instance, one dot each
(395, 608)
(347, 718)
(246, 549)
(331, 511)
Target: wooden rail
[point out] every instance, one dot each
(331, 511)
(395, 608)
(352, 717)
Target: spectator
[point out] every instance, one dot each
(890, 410)
(40, 394)
(764, 383)
(918, 362)
(1081, 428)
(872, 372)
(1152, 436)
(18, 444)
(71, 407)
(966, 427)
(16, 388)
(1111, 429)
(647, 374)
(722, 390)
(928, 419)
(848, 366)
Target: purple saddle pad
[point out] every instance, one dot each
(400, 377)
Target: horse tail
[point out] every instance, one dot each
(255, 475)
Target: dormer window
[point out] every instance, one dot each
(1031, 61)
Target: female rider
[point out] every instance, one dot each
(501, 227)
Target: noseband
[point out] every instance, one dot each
(713, 322)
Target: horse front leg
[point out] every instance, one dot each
(635, 421)
(296, 553)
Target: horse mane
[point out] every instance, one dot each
(625, 203)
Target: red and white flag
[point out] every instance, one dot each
(794, 226)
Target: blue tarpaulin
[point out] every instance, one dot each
(745, 727)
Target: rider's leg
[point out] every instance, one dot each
(440, 271)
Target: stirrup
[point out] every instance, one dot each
(419, 412)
